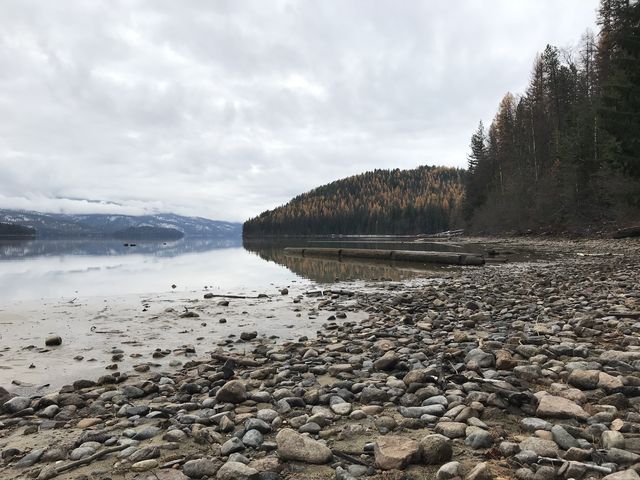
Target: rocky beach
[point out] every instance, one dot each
(527, 370)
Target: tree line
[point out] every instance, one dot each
(422, 200)
(566, 151)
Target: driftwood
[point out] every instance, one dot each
(83, 461)
(627, 232)
(565, 464)
(348, 457)
(415, 256)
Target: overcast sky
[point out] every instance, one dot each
(223, 109)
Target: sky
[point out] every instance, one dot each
(225, 108)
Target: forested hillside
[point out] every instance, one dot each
(10, 230)
(422, 200)
(567, 151)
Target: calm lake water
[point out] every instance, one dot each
(63, 268)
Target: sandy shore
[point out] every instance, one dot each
(125, 331)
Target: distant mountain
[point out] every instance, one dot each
(422, 200)
(60, 225)
(11, 231)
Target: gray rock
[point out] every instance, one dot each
(395, 452)
(612, 439)
(373, 395)
(448, 471)
(175, 436)
(544, 448)
(258, 424)
(524, 474)
(452, 429)
(144, 465)
(436, 400)
(545, 472)
(293, 446)
(508, 449)
(237, 471)
(81, 452)
(584, 379)
(479, 358)
(531, 424)
(53, 341)
(417, 412)
(232, 392)
(551, 406)
(342, 474)
(199, 468)
(621, 457)
(147, 432)
(478, 438)
(30, 458)
(563, 438)
(146, 453)
(131, 391)
(267, 415)
(435, 449)
(232, 445)
(16, 404)
(526, 457)
(310, 427)
(624, 475)
(387, 361)
(253, 438)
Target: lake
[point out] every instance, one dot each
(80, 268)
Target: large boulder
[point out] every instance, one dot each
(478, 358)
(551, 406)
(16, 404)
(202, 467)
(435, 449)
(584, 379)
(395, 453)
(542, 447)
(293, 446)
(232, 392)
(4, 397)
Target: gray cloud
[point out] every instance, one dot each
(223, 109)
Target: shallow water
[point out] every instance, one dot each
(80, 268)
(101, 297)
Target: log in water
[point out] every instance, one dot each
(447, 258)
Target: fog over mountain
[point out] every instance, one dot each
(224, 109)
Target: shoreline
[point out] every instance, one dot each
(477, 373)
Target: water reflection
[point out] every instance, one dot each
(327, 270)
(69, 268)
(53, 269)
(19, 249)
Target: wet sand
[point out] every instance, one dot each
(125, 331)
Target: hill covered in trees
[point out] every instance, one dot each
(12, 231)
(422, 200)
(566, 152)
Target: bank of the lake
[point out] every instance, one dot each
(511, 370)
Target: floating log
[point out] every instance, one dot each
(446, 258)
(627, 232)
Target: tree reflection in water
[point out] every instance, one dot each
(327, 270)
